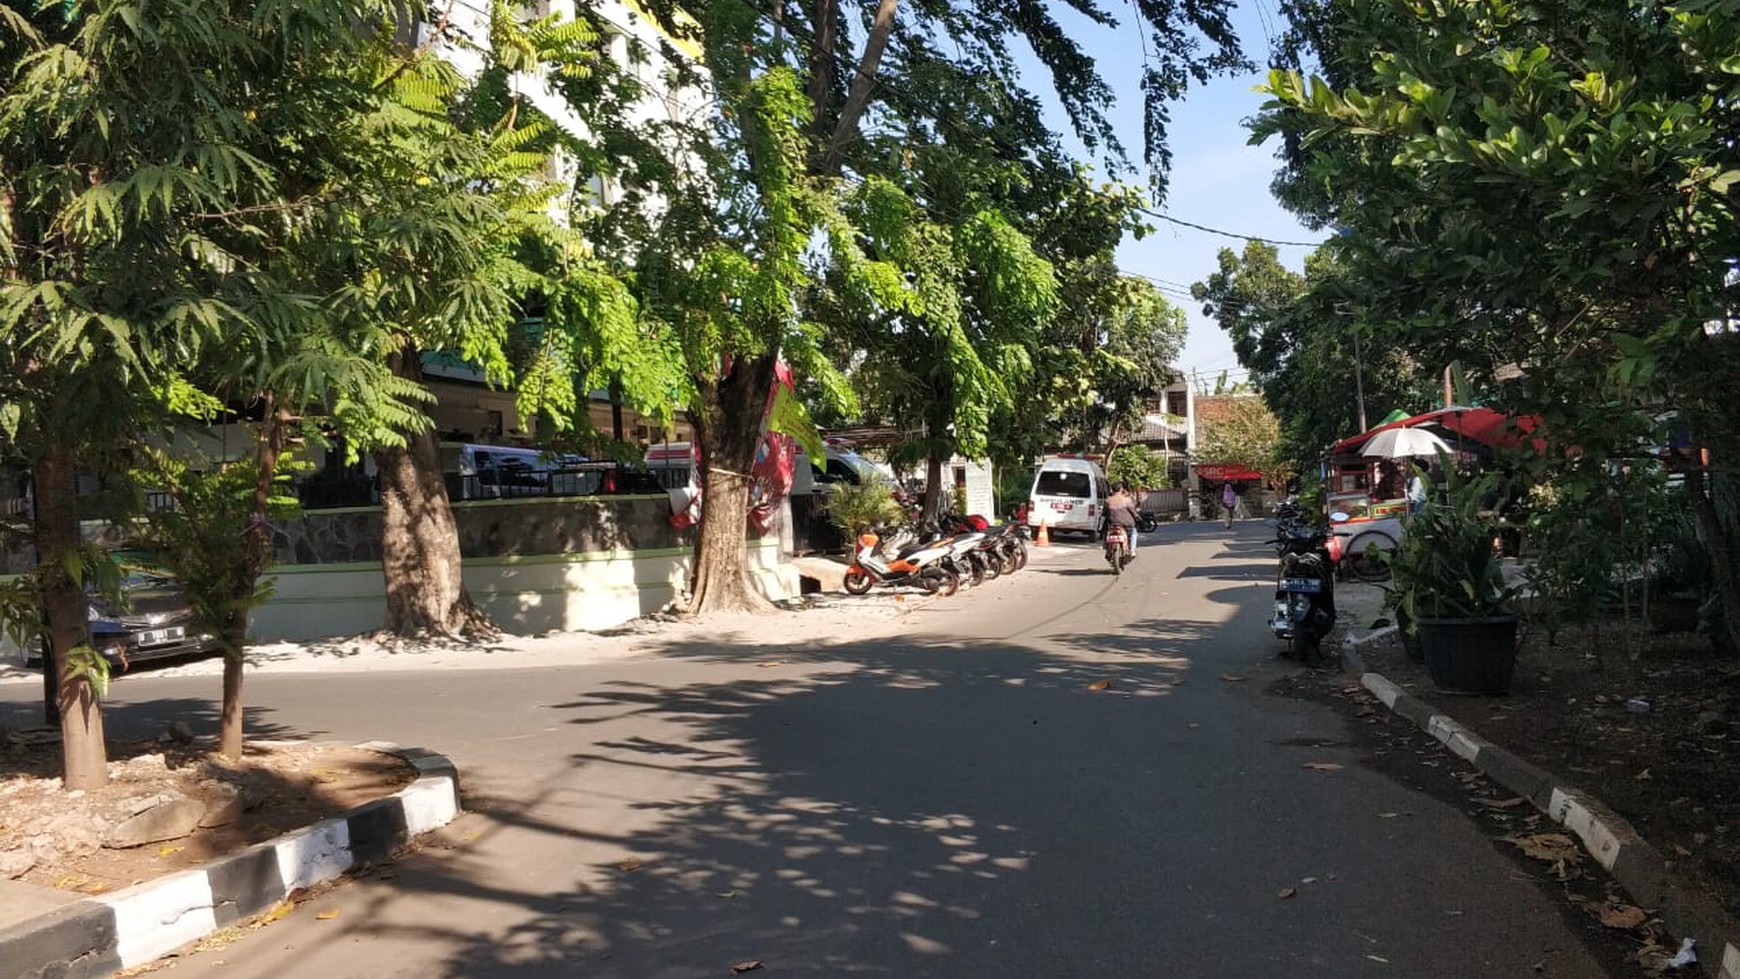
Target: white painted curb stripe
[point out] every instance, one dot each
(430, 803)
(156, 918)
(318, 853)
(1569, 810)
(1464, 743)
(1382, 688)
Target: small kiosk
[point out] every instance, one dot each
(1372, 490)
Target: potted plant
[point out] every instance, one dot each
(1448, 584)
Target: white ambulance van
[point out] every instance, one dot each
(1069, 495)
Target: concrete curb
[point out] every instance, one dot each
(101, 935)
(1637, 866)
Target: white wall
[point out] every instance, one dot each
(560, 593)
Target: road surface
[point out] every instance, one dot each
(955, 799)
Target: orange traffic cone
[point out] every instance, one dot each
(1044, 536)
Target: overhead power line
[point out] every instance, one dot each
(1227, 234)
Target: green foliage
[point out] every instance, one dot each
(1139, 466)
(868, 506)
(1446, 566)
(206, 539)
(1246, 434)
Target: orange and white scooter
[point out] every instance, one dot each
(927, 566)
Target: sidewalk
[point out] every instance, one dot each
(1638, 866)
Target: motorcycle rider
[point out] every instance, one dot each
(1121, 510)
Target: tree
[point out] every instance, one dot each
(850, 97)
(1244, 432)
(1539, 197)
(125, 139)
(958, 342)
(448, 214)
(1139, 466)
(1309, 354)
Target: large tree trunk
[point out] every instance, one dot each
(1722, 558)
(420, 557)
(933, 485)
(728, 430)
(83, 752)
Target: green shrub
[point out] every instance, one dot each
(1139, 466)
(871, 506)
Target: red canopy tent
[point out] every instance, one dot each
(1483, 425)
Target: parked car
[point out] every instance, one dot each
(156, 623)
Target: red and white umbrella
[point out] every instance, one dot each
(1405, 443)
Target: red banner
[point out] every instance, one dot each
(1222, 472)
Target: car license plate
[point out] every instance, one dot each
(1307, 585)
(1063, 506)
(158, 637)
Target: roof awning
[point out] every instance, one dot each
(1483, 425)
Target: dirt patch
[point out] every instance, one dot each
(213, 807)
(1647, 722)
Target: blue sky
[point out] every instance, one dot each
(1217, 179)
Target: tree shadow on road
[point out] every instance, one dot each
(814, 818)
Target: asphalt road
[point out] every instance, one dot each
(954, 800)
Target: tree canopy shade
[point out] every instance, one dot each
(922, 81)
(162, 165)
(1545, 195)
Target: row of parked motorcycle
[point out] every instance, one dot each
(1304, 583)
(939, 555)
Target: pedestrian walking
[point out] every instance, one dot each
(1229, 500)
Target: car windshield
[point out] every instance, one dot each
(1062, 482)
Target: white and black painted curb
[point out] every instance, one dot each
(101, 935)
(1637, 866)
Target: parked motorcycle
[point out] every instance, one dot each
(1004, 547)
(1304, 593)
(1118, 553)
(925, 564)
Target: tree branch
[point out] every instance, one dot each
(858, 99)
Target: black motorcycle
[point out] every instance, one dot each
(1304, 593)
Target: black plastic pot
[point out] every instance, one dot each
(1470, 655)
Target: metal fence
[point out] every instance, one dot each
(320, 493)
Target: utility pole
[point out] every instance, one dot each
(1449, 387)
(1359, 382)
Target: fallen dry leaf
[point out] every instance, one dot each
(1548, 847)
(1228, 677)
(629, 864)
(1100, 685)
(749, 965)
(1388, 815)
(1504, 803)
(1287, 892)
(768, 663)
(169, 850)
(1322, 766)
(326, 916)
(1623, 916)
